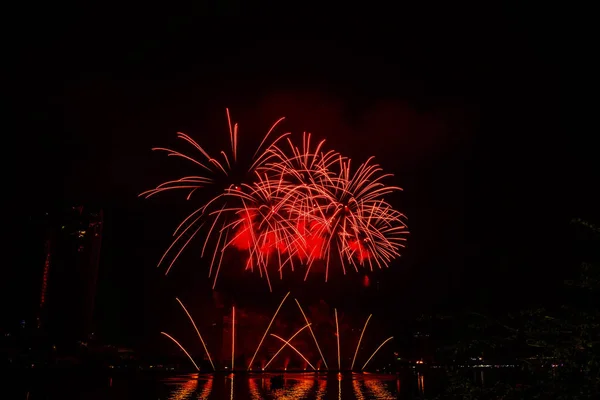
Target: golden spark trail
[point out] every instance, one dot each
(181, 347)
(312, 333)
(375, 352)
(293, 348)
(267, 331)
(197, 331)
(283, 347)
(359, 340)
(337, 328)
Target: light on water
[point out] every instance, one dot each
(287, 386)
(49, 385)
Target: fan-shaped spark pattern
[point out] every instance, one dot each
(289, 205)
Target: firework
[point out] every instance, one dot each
(267, 330)
(223, 173)
(289, 205)
(181, 347)
(286, 343)
(351, 219)
(359, 340)
(262, 226)
(337, 334)
(197, 331)
(313, 334)
(376, 350)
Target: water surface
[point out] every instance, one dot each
(242, 386)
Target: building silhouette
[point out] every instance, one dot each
(72, 241)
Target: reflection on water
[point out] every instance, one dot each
(207, 389)
(321, 391)
(482, 380)
(189, 386)
(184, 390)
(254, 393)
(293, 389)
(378, 390)
(238, 386)
(357, 391)
(285, 387)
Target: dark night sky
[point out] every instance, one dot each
(464, 106)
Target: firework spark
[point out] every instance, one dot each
(287, 342)
(181, 347)
(337, 334)
(312, 333)
(376, 350)
(267, 330)
(359, 340)
(197, 331)
(354, 221)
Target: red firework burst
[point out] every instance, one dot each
(224, 174)
(297, 205)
